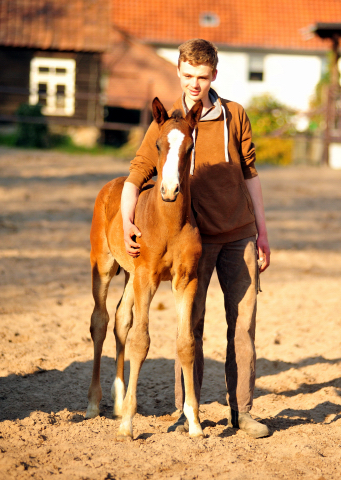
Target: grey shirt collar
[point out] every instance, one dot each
(214, 112)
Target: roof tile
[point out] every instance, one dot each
(81, 25)
(271, 24)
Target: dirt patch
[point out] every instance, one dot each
(46, 351)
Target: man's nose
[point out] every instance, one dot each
(194, 82)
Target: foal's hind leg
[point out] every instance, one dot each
(138, 350)
(103, 269)
(123, 323)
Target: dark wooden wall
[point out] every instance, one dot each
(14, 79)
(15, 76)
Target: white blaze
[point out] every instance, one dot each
(170, 172)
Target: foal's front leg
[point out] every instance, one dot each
(138, 350)
(123, 323)
(184, 297)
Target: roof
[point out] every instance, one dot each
(136, 74)
(269, 24)
(77, 25)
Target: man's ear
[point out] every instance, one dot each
(159, 112)
(214, 75)
(193, 116)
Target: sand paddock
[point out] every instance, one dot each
(46, 352)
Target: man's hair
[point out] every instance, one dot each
(197, 52)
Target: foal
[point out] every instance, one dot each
(170, 250)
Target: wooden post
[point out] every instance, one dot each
(332, 95)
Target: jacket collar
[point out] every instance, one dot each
(212, 114)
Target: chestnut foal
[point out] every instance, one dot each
(170, 250)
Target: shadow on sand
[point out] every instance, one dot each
(53, 390)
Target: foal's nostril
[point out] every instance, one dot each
(162, 190)
(177, 190)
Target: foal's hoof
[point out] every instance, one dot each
(197, 435)
(124, 438)
(125, 431)
(92, 411)
(196, 432)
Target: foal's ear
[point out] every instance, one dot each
(159, 112)
(193, 116)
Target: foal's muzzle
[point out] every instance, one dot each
(169, 194)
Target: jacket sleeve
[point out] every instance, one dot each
(144, 166)
(247, 148)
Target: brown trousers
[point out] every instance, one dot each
(237, 269)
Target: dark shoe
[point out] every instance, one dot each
(245, 422)
(181, 425)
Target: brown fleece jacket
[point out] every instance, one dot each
(221, 201)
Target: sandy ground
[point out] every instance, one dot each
(46, 353)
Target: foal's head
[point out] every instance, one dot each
(174, 145)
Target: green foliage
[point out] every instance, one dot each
(272, 125)
(8, 139)
(274, 151)
(268, 115)
(37, 135)
(31, 134)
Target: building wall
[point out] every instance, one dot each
(291, 79)
(15, 74)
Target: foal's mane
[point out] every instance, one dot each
(177, 115)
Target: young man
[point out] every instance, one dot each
(228, 206)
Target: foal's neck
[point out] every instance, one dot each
(176, 214)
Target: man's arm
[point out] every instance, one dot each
(142, 168)
(130, 195)
(255, 190)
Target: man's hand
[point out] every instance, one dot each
(263, 248)
(130, 230)
(130, 195)
(263, 252)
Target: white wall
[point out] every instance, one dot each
(291, 79)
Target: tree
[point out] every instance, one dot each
(272, 127)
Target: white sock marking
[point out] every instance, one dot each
(194, 427)
(117, 394)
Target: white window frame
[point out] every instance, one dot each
(52, 79)
(256, 67)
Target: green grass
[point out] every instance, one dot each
(8, 139)
(65, 145)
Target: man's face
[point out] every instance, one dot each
(195, 81)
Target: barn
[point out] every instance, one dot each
(50, 53)
(89, 76)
